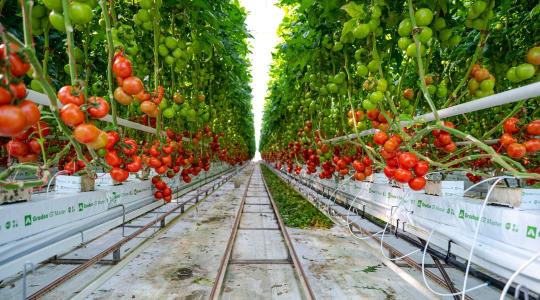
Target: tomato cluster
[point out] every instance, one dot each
(17, 115)
(443, 140)
(512, 131)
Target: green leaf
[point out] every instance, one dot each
(354, 10)
(348, 27)
(535, 10)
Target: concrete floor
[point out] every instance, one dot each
(184, 262)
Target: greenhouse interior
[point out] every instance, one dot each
(270, 149)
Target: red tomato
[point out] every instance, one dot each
(154, 162)
(97, 107)
(389, 171)
(516, 150)
(12, 120)
(71, 167)
(135, 165)
(421, 168)
(30, 157)
(119, 175)
(533, 128)
(86, 133)
(380, 138)
(17, 66)
(167, 160)
(156, 179)
(112, 158)
(30, 111)
(358, 166)
(122, 67)
(444, 138)
(17, 148)
(18, 90)
(154, 151)
(532, 145)
(68, 94)
(112, 139)
(167, 192)
(167, 198)
(407, 160)
(158, 195)
(160, 185)
(130, 147)
(451, 147)
(366, 161)
(402, 175)
(71, 115)
(390, 146)
(511, 125)
(41, 127)
(34, 146)
(5, 96)
(417, 183)
(132, 85)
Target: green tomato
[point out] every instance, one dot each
(487, 85)
(169, 60)
(171, 42)
(477, 8)
(411, 50)
(511, 75)
(332, 88)
(361, 31)
(454, 40)
(432, 89)
(162, 50)
(376, 12)
(323, 91)
(425, 35)
(144, 15)
(36, 85)
(39, 11)
(78, 54)
(177, 53)
(405, 27)
(368, 105)
(525, 71)
(362, 70)
(382, 85)
(376, 97)
(163, 104)
(479, 24)
(439, 24)
(80, 13)
(404, 42)
(55, 5)
(374, 24)
(148, 25)
(442, 91)
(337, 47)
(445, 34)
(57, 21)
(169, 113)
(147, 4)
(133, 50)
(340, 77)
(423, 16)
(373, 66)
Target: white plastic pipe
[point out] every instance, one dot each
(514, 95)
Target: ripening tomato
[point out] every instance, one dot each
(122, 97)
(71, 114)
(402, 175)
(407, 160)
(417, 183)
(132, 85)
(112, 158)
(511, 125)
(449, 148)
(17, 148)
(68, 94)
(167, 160)
(161, 170)
(390, 145)
(97, 107)
(30, 111)
(154, 162)
(100, 142)
(119, 175)
(421, 168)
(516, 150)
(507, 139)
(86, 133)
(12, 120)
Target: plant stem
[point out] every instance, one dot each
(110, 52)
(70, 43)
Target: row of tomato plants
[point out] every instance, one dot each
(374, 64)
(194, 98)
